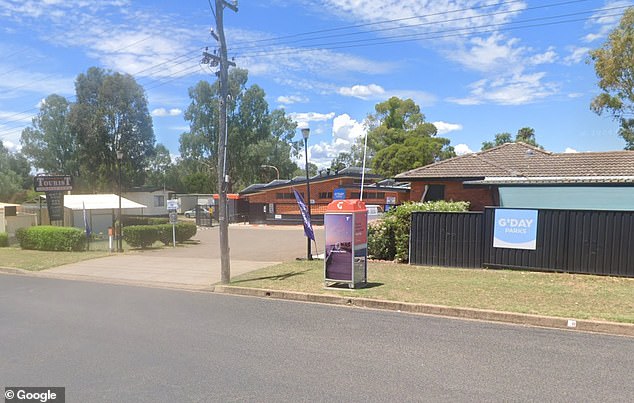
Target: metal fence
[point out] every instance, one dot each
(573, 241)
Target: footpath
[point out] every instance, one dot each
(197, 268)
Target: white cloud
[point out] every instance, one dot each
(365, 92)
(344, 133)
(577, 55)
(550, 56)
(11, 146)
(569, 150)
(516, 90)
(303, 118)
(291, 99)
(462, 149)
(444, 127)
(604, 20)
(162, 112)
(377, 93)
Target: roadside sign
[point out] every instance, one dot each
(172, 204)
(53, 183)
(173, 217)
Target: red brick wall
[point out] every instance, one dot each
(289, 206)
(455, 191)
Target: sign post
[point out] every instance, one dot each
(172, 208)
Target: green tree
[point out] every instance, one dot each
(399, 139)
(48, 143)
(614, 66)
(111, 114)
(159, 165)
(354, 158)
(525, 135)
(256, 136)
(10, 181)
(500, 138)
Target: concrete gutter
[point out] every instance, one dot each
(614, 328)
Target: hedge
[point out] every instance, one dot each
(143, 220)
(4, 239)
(388, 239)
(51, 238)
(184, 232)
(142, 236)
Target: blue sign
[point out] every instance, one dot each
(515, 229)
(339, 194)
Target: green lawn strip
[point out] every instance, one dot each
(35, 260)
(552, 294)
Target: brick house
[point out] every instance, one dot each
(520, 175)
(274, 202)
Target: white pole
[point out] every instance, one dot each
(365, 147)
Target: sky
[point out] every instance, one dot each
(475, 68)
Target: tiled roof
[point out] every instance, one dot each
(523, 160)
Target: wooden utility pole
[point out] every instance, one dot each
(223, 178)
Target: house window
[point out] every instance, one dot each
(355, 195)
(434, 193)
(159, 201)
(325, 195)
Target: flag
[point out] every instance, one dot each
(86, 224)
(308, 228)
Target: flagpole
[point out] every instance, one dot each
(365, 147)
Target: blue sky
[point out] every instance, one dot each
(476, 68)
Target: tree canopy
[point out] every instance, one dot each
(614, 66)
(110, 114)
(256, 136)
(48, 143)
(399, 139)
(525, 135)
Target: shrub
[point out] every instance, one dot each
(141, 236)
(4, 239)
(388, 239)
(143, 220)
(184, 232)
(51, 238)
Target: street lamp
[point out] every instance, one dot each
(305, 134)
(271, 166)
(120, 240)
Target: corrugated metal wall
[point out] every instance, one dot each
(446, 239)
(574, 241)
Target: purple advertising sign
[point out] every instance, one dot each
(339, 255)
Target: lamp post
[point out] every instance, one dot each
(119, 239)
(305, 134)
(277, 171)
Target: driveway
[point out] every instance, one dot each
(197, 266)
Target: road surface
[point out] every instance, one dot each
(114, 343)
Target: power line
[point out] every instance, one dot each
(430, 35)
(418, 17)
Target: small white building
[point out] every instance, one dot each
(155, 199)
(100, 210)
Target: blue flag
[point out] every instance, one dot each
(308, 228)
(86, 224)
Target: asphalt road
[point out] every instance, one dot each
(112, 343)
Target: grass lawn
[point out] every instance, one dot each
(34, 260)
(552, 294)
